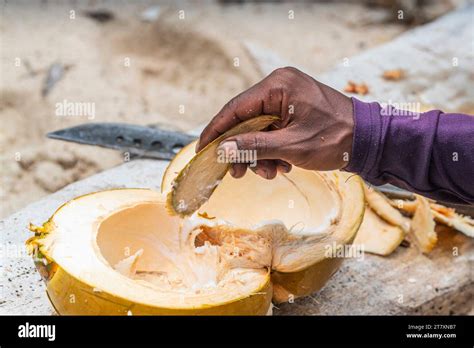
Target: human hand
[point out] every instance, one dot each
(315, 130)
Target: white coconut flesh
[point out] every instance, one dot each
(299, 213)
(124, 242)
(303, 201)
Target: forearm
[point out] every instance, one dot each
(429, 153)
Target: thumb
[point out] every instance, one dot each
(261, 145)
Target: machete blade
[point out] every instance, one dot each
(138, 140)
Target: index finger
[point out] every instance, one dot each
(248, 104)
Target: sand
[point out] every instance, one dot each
(173, 72)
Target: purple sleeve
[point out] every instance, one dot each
(431, 153)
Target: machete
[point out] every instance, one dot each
(139, 141)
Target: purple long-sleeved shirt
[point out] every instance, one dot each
(431, 153)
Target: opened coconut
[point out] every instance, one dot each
(125, 252)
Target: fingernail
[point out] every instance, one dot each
(197, 146)
(229, 149)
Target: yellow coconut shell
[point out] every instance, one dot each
(89, 301)
(72, 292)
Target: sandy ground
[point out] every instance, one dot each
(171, 71)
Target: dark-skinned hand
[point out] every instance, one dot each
(315, 130)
